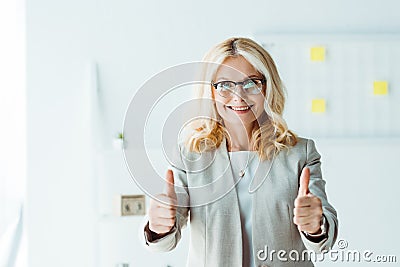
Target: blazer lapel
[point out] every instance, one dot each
(223, 215)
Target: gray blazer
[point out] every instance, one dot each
(205, 187)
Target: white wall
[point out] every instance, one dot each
(12, 133)
(130, 41)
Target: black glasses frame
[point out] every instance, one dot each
(215, 85)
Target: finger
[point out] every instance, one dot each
(164, 222)
(169, 188)
(304, 181)
(307, 211)
(162, 212)
(163, 200)
(302, 211)
(304, 220)
(159, 229)
(309, 228)
(303, 202)
(304, 227)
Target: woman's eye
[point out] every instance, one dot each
(249, 84)
(225, 85)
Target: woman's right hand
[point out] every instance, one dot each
(162, 210)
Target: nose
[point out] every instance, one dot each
(239, 95)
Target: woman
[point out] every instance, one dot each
(250, 185)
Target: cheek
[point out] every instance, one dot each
(259, 108)
(219, 103)
(260, 104)
(220, 108)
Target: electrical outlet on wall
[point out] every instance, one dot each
(129, 205)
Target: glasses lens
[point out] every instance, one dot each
(225, 88)
(252, 86)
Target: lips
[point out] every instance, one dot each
(240, 108)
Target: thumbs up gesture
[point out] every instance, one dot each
(162, 213)
(307, 207)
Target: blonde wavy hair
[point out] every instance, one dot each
(272, 134)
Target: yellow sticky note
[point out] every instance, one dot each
(317, 53)
(318, 105)
(380, 88)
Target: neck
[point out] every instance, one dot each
(239, 136)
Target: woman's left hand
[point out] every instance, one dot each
(307, 207)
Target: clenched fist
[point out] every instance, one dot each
(162, 216)
(307, 207)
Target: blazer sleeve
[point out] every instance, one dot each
(169, 242)
(317, 188)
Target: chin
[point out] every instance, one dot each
(239, 120)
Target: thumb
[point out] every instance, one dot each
(304, 181)
(170, 189)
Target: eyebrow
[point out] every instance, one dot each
(226, 79)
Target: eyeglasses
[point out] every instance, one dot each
(251, 86)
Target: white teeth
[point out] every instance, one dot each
(240, 108)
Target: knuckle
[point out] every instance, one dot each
(320, 213)
(152, 213)
(153, 203)
(172, 213)
(301, 200)
(153, 227)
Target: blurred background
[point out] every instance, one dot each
(68, 70)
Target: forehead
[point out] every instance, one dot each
(236, 68)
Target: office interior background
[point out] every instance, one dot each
(70, 68)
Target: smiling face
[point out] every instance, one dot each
(239, 108)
